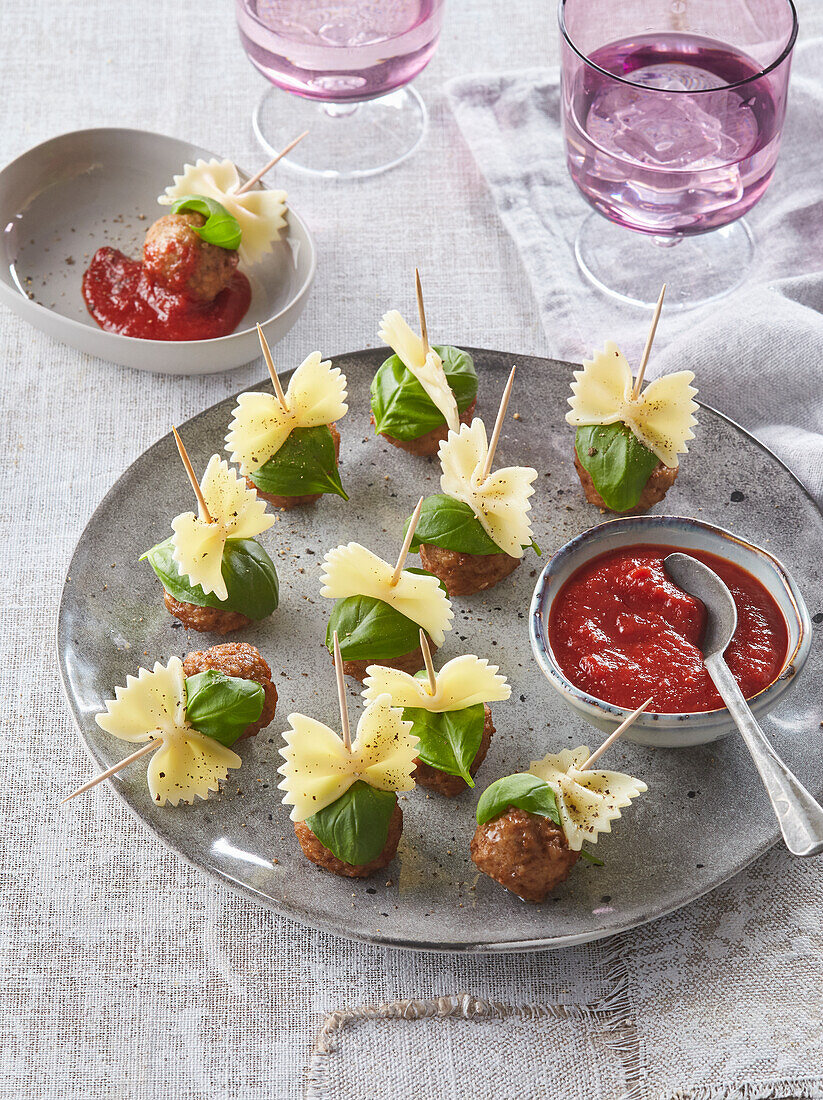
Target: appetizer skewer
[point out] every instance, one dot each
(215, 576)
(344, 795)
(187, 285)
(191, 712)
(287, 444)
(474, 533)
(531, 826)
(382, 608)
(627, 442)
(421, 392)
(449, 713)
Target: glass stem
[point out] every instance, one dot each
(341, 110)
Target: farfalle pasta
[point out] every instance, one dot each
(474, 533)
(531, 826)
(588, 801)
(319, 768)
(215, 575)
(235, 512)
(167, 706)
(628, 444)
(344, 799)
(424, 363)
(352, 570)
(288, 449)
(260, 213)
(500, 501)
(450, 716)
(421, 392)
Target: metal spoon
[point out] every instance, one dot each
(799, 816)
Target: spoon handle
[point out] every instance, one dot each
(798, 814)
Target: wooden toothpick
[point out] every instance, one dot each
(341, 694)
(195, 484)
(275, 377)
(424, 332)
(638, 382)
(427, 660)
(613, 737)
(498, 425)
(247, 186)
(404, 549)
(155, 741)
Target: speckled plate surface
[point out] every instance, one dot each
(705, 815)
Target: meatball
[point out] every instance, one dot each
(408, 662)
(660, 481)
(176, 258)
(450, 785)
(308, 498)
(429, 443)
(209, 620)
(464, 574)
(246, 663)
(527, 853)
(318, 853)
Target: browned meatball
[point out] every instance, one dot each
(318, 853)
(408, 662)
(464, 574)
(209, 620)
(659, 483)
(246, 663)
(450, 785)
(176, 258)
(429, 443)
(308, 498)
(526, 853)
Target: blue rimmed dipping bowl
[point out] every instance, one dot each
(668, 730)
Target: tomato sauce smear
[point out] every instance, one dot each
(622, 631)
(122, 298)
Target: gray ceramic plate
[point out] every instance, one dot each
(705, 815)
(62, 200)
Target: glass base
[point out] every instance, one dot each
(632, 267)
(345, 140)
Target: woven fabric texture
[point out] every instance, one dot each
(125, 973)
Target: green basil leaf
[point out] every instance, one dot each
(523, 790)
(448, 741)
(355, 827)
(248, 571)
(589, 858)
(222, 706)
(453, 525)
(617, 461)
(304, 464)
(369, 629)
(221, 228)
(403, 409)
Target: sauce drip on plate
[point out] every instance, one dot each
(622, 631)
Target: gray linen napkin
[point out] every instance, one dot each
(758, 353)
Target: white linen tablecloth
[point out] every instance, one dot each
(127, 974)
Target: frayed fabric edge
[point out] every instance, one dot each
(796, 1088)
(612, 1012)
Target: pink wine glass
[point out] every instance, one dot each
(346, 64)
(673, 112)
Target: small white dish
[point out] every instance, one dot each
(64, 199)
(668, 730)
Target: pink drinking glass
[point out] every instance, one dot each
(673, 112)
(346, 64)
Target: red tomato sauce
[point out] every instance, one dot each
(622, 631)
(122, 298)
